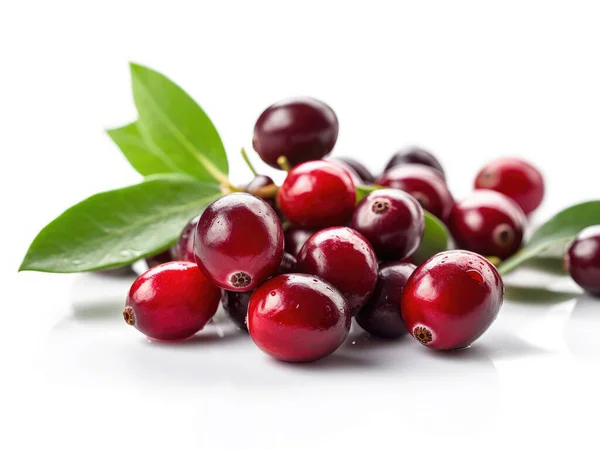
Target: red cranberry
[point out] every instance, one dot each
(451, 299)
(514, 178)
(235, 305)
(344, 258)
(381, 315)
(287, 265)
(301, 129)
(295, 238)
(171, 302)
(159, 258)
(238, 242)
(392, 221)
(363, 173)
(583, 260)
(424, 184)
(356, 179)
(183, 250)
(298, 318)
(414, 155)
(317, 194)
(488, 223)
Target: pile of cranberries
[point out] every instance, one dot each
(293, 264)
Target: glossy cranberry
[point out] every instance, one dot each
(488, 223)
(317, 194)
(344, 258)
(159, 258)
(183, 250)
(392, 221)
(356, 179)
(171, 302)
(287, 265)
(452, 299)
(583, 260)
(424, 184)
(414, 155)
(514, 178)
(257, 185)
(298, 318)
(238, 242)
(381, 315)
(295, 237)
(363, 173)
(235, 305)
(301, 129)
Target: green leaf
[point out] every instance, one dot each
(528, 294)
(177, 125)
(363, 191)
(435, 239)
(118, 227)
(144, 158)
(559, 230)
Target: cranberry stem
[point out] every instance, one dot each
(248, 163)
(265, 192)
(283, 162)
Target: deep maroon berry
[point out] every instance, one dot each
(514, 178)
(298, 318)
(381, 315)
(171, 302)
(183, 250)
(392, 221)
(295, 238)
(301, 129)
(257, 187)
(452, 299)
(363, 173)
(488, 223)
(317, 194)
(414, 155)
(287, 265)
(424, 184)
(344, 258)
(238, 242)
(583, 260)
(235, 305)
(159, 258)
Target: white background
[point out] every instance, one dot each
(468, 80)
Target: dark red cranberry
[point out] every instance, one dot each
(514, 178)
(488, 223)
(257, 187)
(356, 179)
(301, 129)
(298, 318)
(171, 302)
(452, 299)
(381, 315)
(344, 258)
(295, 238)
(363, 173)
(392, 221)
(317, 194)
(159, 258)
(583, 260)
(183, 250)
(424, 184)
(235, 305)
(287, 265)
(238, 242)
(414, 155)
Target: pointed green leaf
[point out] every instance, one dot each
(435, 239)
(118, 227)
(144, 158)
(177, 125)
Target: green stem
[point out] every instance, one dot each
(248, 163)
(283, 162)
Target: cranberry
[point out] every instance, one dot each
(363, 173)
(238, 242)
(381, 315)
(356, 179)
(235, 305)
(392, 221)
(298, 318)
(414, 155)
(488, 223)
(583, 260)
(344, 258)
(184, 248)
(451, 299)
(301, 129)
(171, 302)
(287, 265)
(159, 258)
(424, 184)
(257, 185)
(317, 194)
(514, 178)
(295, 238)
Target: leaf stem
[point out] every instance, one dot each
(268, 191)
(248, 163)
(284, 163)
